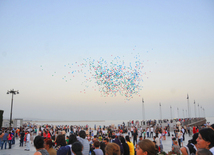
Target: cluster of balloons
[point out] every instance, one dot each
(116, 78)
(111, 77)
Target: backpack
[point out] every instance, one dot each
(191, 149)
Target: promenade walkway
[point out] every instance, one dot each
(16, 150)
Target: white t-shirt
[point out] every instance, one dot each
(180, 135)
(157, 141)
(132, 129)
(28, 137)
(160, 136)
(212, 150)
(151, 129)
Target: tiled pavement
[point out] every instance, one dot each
(16, 150)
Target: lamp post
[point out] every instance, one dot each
(171, 112)
(195, 108)
(160, 111)
(188, 106)
(13, 92)
(183, 113)
(178, 112)
(143, 111)
(204, 112)
(198, 110)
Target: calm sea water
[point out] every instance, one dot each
(97, 123)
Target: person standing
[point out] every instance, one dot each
(1, 138)
(131, 146)
(194, 130)
(180, 138)
(183, 131)
(135, 134)
(157, 140)
(9, 138)
(22, 135)
(27, 141)
(161, 140)
(125, 146)
(151, 132)
(84, 142)
(4, 140)
(97, 149)
(147, 132)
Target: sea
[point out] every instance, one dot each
(92, 123)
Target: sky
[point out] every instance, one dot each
(43, 42)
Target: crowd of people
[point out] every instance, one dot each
(121, 140)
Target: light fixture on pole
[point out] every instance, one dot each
(143, 111)
(189, 115)
(183, 113)
(178, 112)
(195, 108)
(171, 112)
(160, 111)
(204, 112)
(198, 110)
(13, 92)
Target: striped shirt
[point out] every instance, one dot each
(86, 146)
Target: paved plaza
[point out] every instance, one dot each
(16, 150)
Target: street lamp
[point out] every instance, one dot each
(189, 115)
(183, 113)
(204, 112)
(178, 112)
(143, 110)
(198, 110)
(195, 108)
(13, 92)
(160, 111)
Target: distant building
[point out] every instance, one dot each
(17, 122)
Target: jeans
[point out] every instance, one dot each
(21, 141)
(151, 134)
(27, 145)
(10, 142)
(13, 140)
(134, 140)
(4, 141)
(147, 134)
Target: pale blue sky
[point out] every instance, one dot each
(178, 36)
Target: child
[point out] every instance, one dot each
(173, 139)
(67, 140)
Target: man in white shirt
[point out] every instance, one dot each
(151, 132)
(27, 141)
